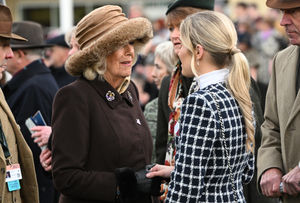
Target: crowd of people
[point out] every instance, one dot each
(195, 107)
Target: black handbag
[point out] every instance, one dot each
(133, 184)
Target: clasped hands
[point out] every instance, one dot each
(271, 179)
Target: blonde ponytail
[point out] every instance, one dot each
(216, 34)
(239, 85)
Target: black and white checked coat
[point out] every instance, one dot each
(201, 171)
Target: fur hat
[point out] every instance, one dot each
(100, 33)
(204, 4)
(283, 4)
(6, 24)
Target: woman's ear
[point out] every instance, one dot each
(199, 52)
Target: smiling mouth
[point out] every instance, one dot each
(126, 62)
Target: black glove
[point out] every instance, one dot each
(150, 186)
(127, 183)
(132, 184)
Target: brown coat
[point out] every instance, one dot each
(280, 130)
(93, 136)
(20, 153)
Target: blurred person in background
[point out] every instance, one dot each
(241, 12)
(165, 61)
(31, 88)
(140, 80)
(266, 42)
(57, 56)
(100, 135)
(14, 149)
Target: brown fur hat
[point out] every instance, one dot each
(100, 33)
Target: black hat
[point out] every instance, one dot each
(32, 31)
(58, 41)
(204, 4)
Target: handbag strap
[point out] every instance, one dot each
(225, 146)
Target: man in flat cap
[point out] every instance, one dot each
(14, 152)
(279, 156)
(31, 89)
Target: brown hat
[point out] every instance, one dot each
(283, 4)
(6, 24)
(32, 31)
(103, 31)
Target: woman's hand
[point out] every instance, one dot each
(46, 159)
(161, 171)
(41, 134)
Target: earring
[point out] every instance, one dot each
(197, 62)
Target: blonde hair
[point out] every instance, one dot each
(215, 32)
(165, 52)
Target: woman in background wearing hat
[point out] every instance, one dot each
(98, 125)
(215, 146)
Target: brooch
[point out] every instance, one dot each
(110, 96)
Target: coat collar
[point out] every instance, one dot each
(32, 69)
(110, 94)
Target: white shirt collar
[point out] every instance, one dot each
(212, 77)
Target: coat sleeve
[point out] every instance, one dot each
(162, 122)
(194, 147)
(70, 150)
(269, 153)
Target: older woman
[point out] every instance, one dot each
(98, 125)
(165, 60)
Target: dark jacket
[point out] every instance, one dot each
(30, 90)
(61, 76)
(93, 136)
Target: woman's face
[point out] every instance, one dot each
(159, 72)
(185, 57)
(119, 63)
(175, 36)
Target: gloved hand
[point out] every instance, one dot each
(126, 182)
(135, 184)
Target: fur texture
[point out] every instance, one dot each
(90, 60)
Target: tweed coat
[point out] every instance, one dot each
(280, 130)
(30, 90)
(95, 131)
(20, 153)
(250, 190)
(201, 171)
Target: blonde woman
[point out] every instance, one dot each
(214, 150)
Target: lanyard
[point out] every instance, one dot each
(4, 143)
